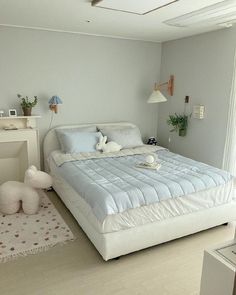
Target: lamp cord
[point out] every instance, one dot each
(51, 120)
(169, 138)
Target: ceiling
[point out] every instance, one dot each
(78, 16)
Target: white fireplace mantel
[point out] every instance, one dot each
(18, 148)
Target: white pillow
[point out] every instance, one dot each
(80, 142)
(126, 137)
(67, 131)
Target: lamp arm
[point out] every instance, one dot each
(170, 85)
(158, 86)
(162, 84)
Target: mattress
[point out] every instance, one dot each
(166, 209)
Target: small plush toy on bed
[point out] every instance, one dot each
(15, 193)
(107, 147)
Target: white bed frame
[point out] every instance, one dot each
(115, 244)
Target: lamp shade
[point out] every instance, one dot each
(54, 100)
(156, 97)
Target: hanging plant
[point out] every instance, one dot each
(179, 123)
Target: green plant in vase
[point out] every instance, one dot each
(179, 123)
(27, 104)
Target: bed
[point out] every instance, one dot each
(123, 209)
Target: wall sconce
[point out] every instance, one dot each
(157, 96)
(54, 102)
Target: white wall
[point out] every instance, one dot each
(203, 67)
(99, 79)
(104, 79)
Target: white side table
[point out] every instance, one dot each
(219, 270)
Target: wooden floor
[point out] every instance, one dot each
(76, 268)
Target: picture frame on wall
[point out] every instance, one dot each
(12, 113)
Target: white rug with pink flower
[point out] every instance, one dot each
(22, 234)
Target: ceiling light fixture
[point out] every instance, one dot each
(222, 12)
(132, 6)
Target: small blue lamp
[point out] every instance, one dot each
(54, 101)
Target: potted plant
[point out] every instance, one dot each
(179, 122)
(27, 104)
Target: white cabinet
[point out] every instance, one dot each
(18, 148)
(219, 269)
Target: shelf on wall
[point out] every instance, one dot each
(19, 121)
(20, 117)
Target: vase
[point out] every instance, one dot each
(27, 111)
(182, 132)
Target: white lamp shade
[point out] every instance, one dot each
(156, 97)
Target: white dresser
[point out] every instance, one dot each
(18, 148)
(219, 270)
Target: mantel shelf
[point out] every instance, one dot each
(19, 122)
(20, 117)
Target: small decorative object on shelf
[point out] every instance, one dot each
(12, 113)
(152, 141)
(10, 127)
(27, 104)
(179, 122)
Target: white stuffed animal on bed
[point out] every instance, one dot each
(107, 147)
(13, 194)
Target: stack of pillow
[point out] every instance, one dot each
(84, 139)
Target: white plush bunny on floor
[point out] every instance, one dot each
(14, 194)
(107, 147)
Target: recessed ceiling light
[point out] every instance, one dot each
(132, 6)
(221, 12)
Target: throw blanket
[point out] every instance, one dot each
(61, 158)
(112, 184)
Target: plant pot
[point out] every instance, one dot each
(27, 111)
(182, 132)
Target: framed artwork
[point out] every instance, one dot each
(12, 113)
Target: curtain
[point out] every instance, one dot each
(229, 160)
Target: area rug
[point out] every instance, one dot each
(22, 234)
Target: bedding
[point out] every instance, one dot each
(111, 184)
(63, 134)
(143, 215)
(80, 142)
(126, 137)
(60, 157)
(141, 227)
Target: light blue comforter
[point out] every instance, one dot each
(114, 185)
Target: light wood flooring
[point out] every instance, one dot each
(76, 268)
